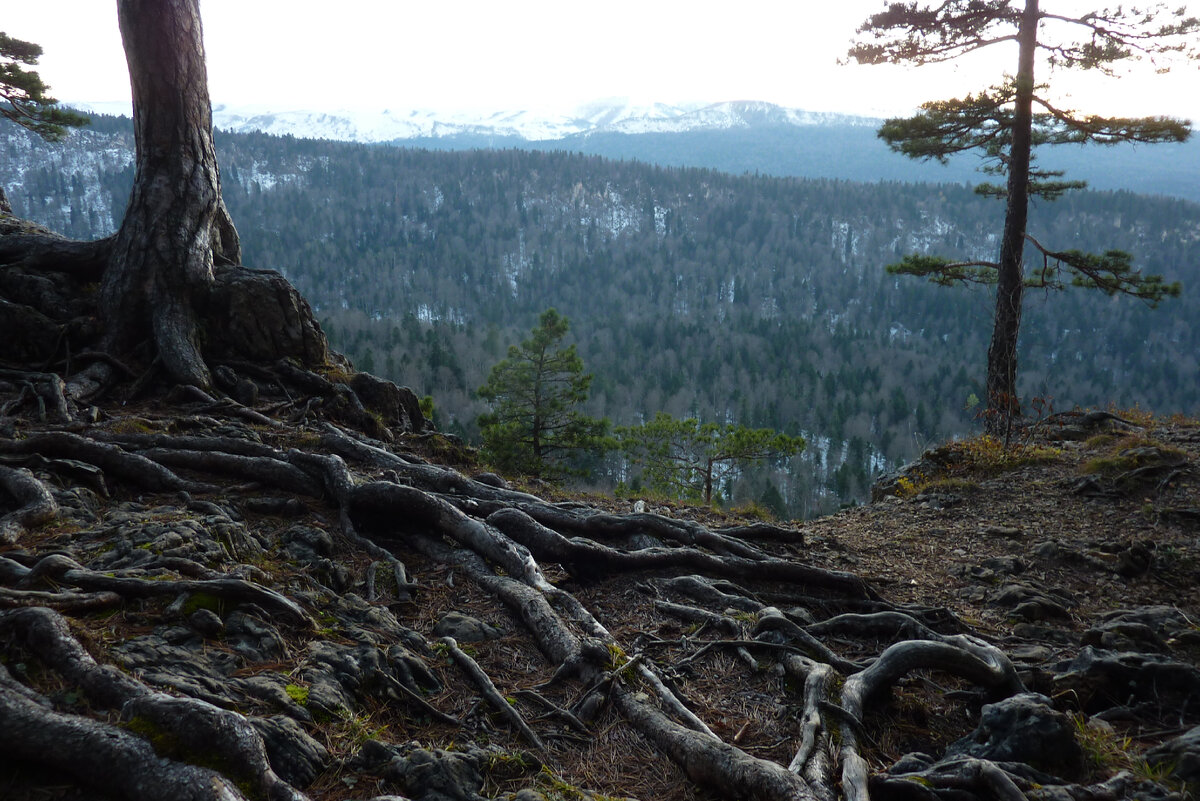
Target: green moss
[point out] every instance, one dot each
(203, 600)
(1130, 453)
(617, 659)
(556, 789)
(297, 693)
(511, 764)
(132, 425)
(950, 484)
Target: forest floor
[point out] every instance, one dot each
(1032, 548)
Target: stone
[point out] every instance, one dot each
(306, 544)
(1005, 564)
(271, 688)
(1047, 550)
(365, 622)
(1030, 604)
(1039, 609)
(491, 480)
(207, 622)
(465, 628)
(1182, 754)
(295, 756)
(1024, 728)
(252, 637)
(339, 674)
(1134, 561)
(528, 795)
(28, 335)
(1155, 628)
(911, 763)
(1103, 679)
(1034, 631)
(1031, 654)
(398, 406)
(424, 775)
(246, 392)
(1121, 635)
(256, 315)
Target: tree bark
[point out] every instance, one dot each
(1002, 398)
(176, 223)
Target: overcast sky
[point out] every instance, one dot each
(543, 54)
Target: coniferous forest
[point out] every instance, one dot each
(749, 299)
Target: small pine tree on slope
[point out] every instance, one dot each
(535, 394)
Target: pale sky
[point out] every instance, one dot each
(545, 55)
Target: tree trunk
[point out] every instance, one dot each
(176, 223)
(1002, 398)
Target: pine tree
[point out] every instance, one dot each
(687, 458)
(24, 93)
(1005, 123)
(535, 394)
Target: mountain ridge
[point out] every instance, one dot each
(612, 115)
(739, 136)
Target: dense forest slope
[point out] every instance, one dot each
(755, 299)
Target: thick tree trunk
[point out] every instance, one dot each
(176, 223)
(1002, 398)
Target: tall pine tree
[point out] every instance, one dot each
(24, 93)
(1007, 122)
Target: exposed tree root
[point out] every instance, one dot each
(130, 467)
(515, 536)
(121, 762)
(63, 570)
(85, 260)
(552, 546)
(490, 693)
(37, 505)
(816, 626)
(47, 390)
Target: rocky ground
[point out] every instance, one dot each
(385, 626)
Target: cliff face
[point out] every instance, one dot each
(258, 602)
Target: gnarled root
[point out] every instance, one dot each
(127, 764)
(37, 505)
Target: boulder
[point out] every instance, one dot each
(398, 406)
(1024, 728)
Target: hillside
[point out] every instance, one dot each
(757, 299)
(220, 554)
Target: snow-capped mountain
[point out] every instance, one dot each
(610, 116)
(606, 116)
(615, 115)
(729, 115)
(388, 125)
